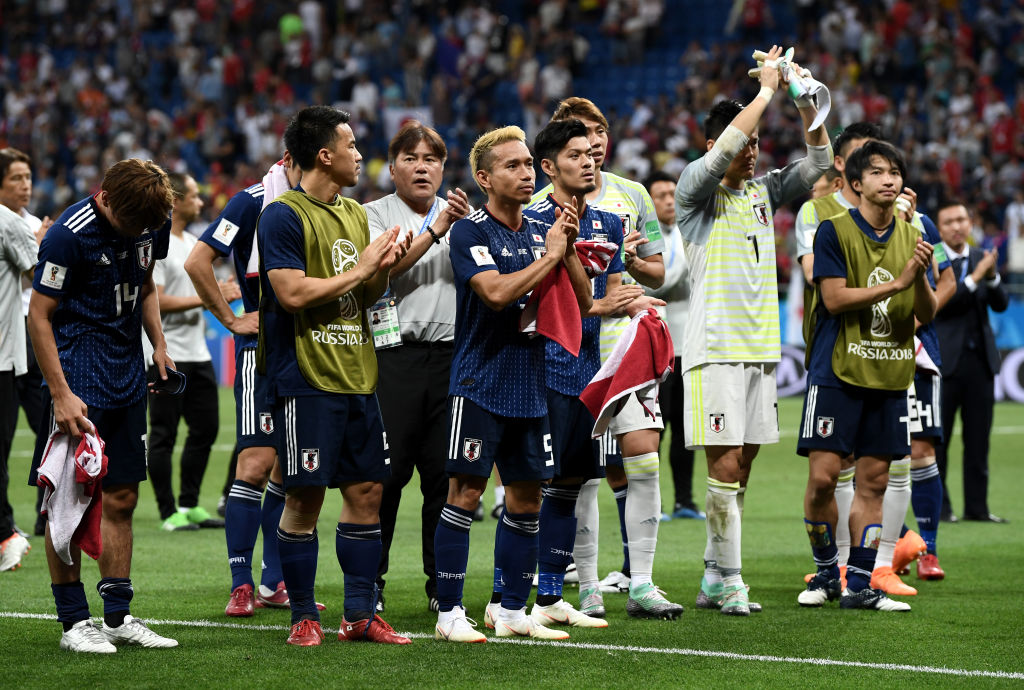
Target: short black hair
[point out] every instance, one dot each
(858, 130)
(860, 159)
(720, 116)
(949, 202)
(312, 129)
(555, 136)
(659, 176)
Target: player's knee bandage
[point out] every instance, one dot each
(919, 463)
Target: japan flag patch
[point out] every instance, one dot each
(53, 276)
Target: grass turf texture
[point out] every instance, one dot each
(968, 622)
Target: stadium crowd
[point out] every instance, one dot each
(206, 88)
(339, 252)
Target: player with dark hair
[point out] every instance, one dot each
(870, 269)
(93, 295)
(642, 259)
(732, 344)
(234, 234)
(319, 272)
(498, 403)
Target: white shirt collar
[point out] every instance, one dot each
(957, 255)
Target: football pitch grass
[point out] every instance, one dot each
(964, 631)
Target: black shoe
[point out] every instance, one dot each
(40, 529)
(496, 510)
(380, 602)
(949, 517)
(433, 604)
(478, 516)
(987, 518)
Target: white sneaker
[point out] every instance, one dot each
(491, 615)
(455, 627)
(614, 582)
(86, 637)
(525, 626)
(571, 576)
(134, 631)
(562, 613)
(12, 550)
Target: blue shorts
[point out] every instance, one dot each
(331, 439)
(123, 430)
(254, 410)
(928, 396)
(479, 439)
(851, 419)
(576, 453)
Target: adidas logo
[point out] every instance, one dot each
(104, 261)
(505, 251)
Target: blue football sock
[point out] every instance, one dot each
(499, 584)
(451, 553)
(298, 565)
(270, 518)
(72, 606)
(823, 547)
(518, 557)
(358, 548)
(117, 596)
(620, 503)
(556, 539)
(926, 497)
(859, 567)
(241, 525)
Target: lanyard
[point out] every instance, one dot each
(431, 214)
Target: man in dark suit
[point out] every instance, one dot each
(970, 360)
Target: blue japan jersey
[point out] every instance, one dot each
(282, 244)
(567, 374)
(98, 274)
(927, 334)
(233, 233)
(494, 365)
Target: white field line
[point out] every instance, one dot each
(764, 658)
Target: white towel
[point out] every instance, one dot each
(275, 183)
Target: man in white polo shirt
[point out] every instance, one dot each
(413, 327)
(181, 311)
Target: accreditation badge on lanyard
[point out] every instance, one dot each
(383, 315)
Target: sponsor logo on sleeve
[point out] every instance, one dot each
(482, 255)
(53, 276)
(225, 232)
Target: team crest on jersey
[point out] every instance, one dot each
(825, 426)
(144, 253)
(266, 422)
(761, 213)
(311, 459)
(471, 449)
(626, 225)
(716, 420)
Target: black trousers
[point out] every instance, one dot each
(8, 423)
(413, 391)
(670, 397)
(30, 391)
(969, 389)
(199, 406)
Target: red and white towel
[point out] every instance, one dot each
(73, 492)
(552, 310)
(922, 359)
(641, 359)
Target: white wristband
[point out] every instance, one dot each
(766, 93)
